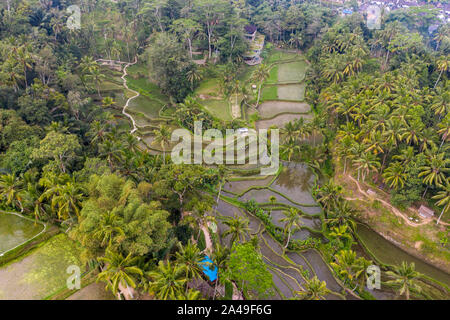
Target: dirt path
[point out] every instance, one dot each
(397, 212)
(137, 94)
(209, 246)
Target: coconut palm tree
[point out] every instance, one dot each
(237, 228)
(404, 279)
(395, 175)
(351, 268)
(342, 233)
(162, 137)
(441, 101)
(329, 195)
(119, 271)
(220, 258)
(108, 228)
(434, 171)
(291, 218)
(260, 75)
(190, 294)
(444, 198)
(67, 199)
(11, 188)
(189, 257)
(167, 280)
(290, 148)
(314, 290)
(444, 130)
(341, 214)
(194, 75)
(442, 64)
(365, 164)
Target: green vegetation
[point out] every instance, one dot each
(86, 118)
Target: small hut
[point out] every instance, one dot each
(426, 212)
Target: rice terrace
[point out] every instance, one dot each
(351, 118)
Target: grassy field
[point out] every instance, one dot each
(146, 106)
(218, 108)
(277, 56)
(292, 71)
(292, 92)
(269, 93)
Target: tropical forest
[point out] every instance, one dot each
(349, 100)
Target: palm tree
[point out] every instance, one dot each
(314, 290)
(404, 279)
(444, 130)
(237, 228)
(190, 294)
(119, 271)
(162, 136)
(443, 64)
(108, 229)
(220, 258)
(341, 233)
(290, 148)
(412, 132)
(68, 199)
(441, 101)
(98, 77)
(406, 155)
(11, 188)
(435, 169)
(189, 258)
(167, 280)
(107, 102)
(260, 75)
(341, 214)
(395, 175)
(350, 267)
(291, 217)
(444, 198)
(289, 130)
(193, 76)
(366, 162)
(329, 195)
(25, 58)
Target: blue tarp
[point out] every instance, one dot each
(347, 11)
(208, 268)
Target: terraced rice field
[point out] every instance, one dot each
(292, 71)
(291, 92)
(42, 272)
(280, 121)
(270, 109)
(15, 230)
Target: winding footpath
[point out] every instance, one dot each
(137, 94)
(397, 212)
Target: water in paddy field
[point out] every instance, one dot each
(295, 181)
(15, 230)
(389, 253)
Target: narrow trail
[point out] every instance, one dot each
(123, 77)
(137, 94)
(397, 212)
(208, 241)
